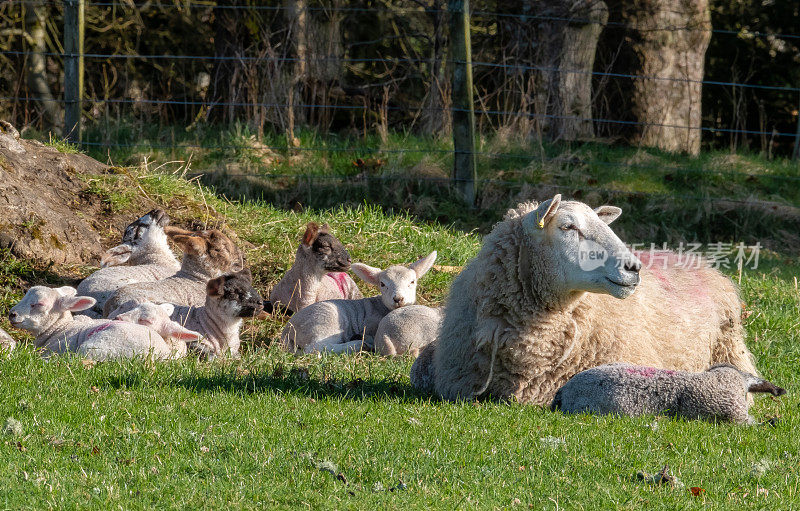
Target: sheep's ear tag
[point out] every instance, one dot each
(539, 221)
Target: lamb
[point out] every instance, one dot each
(144, 248)
(317, 273)
(158, 318)
(407, 330)
(719, 393)
(343, 326)
(207, 255)
(6, 341)
(551, 293)
(231, 297)
(47, 314)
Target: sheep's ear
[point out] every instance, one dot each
(312, 231)
(422, 266)
(214, 286)
(325, 229)
(608, 213)
(167, 308)
(191, 245)
(368, 274)
(160, 217)
(171, 230)
(125, 316)
(176, 331)
(116, 256)
(538, 218)
(66, 291)
(246, 274)
(74, 303)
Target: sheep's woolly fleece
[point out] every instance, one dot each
(505, 302)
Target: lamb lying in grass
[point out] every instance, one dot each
(207, 255)
(407, 330)
(343, 326)
(217, 324)
(145, 250)
(158, 318)
(6, 341)
(47, 314)
(317, 273)
(720, 393)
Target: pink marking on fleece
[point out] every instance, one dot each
(648, 372)
(99, 328)
(340, 278)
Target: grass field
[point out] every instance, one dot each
(275, 431)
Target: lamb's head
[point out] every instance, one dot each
(144, 235)
(573, 247)
(157, 318)
(209, 252)
(234, 295)
(398, 284)
(323, 251)
(42, 306)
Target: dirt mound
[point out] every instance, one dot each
(46, 214)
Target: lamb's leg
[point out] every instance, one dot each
(329, 343)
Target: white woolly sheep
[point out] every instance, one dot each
(207, 255)
(720, 393)
(230, 298)
(317, 273)
(47, 314)
(147, 254)
(543, 300)
(407, 330)
(158, 318)
(342, 326)
(6, 341)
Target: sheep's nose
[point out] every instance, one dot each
(12, 316)
(633, 265)
(398, 300)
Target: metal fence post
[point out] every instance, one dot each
(464, 171)
(73, 68)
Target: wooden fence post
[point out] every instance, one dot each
(464, 170)
(73, 68)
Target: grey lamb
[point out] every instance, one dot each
(145, 252)
(719, 393)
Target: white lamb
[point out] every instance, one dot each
(158, 318)
(407, 330)
(230, 298)
(144, 249)
(6, 341)
(554, 291)
(720, 393)
(343, 326)
(317, 273)
(47, 314)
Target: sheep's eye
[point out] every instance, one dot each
(383, 285)
(570, 227)
(37, 306)
(413, 281)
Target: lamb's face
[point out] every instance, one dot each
(325, 252)
(145, 234)
(582, 253)
(211, 250)
(397, 284)
(157, 318)
(235, 296)
(42, 306)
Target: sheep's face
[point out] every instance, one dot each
(157, 318)
(211, 251)
(235, 296)
(324, 250)
(398, 284)
(143, 235)
(578, 250)
(42, 306)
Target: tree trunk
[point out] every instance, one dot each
(297, 21)
(663, 43)
(35, 16)
(436, 120)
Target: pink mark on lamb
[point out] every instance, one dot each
(648, 372)
(99, 328)
(340, 278)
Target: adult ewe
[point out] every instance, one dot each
(543, 300)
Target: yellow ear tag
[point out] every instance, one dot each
(541, 223)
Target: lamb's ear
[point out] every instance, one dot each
(214, 287)
(191, 245)
(171, 230)
(167, 308)
(116, 256)
(367, 273)
(246, 274)
(312, 231)
(176, 331)
(325, 229)
(538, 218)
(74, 303)
(608, 213)
(422, 266)
(66, 291)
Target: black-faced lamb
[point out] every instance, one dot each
(317, 273)
(47, 314)
(207, 255)
(551, 293)
(719, 393)
(343, 326)
(145, 252)
(230, 298)
(407, 330)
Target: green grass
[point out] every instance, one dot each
(258, 432)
